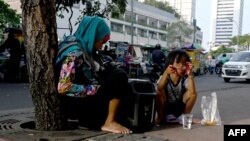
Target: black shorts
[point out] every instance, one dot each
(177, 108)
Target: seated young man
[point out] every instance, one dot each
(176, 92)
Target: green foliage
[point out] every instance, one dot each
(220, 50)
(163, 6)
(8, 17)
(96, 10)
(91, 7)
(242, 41)
(177, 32)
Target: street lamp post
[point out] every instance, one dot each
(237, 46)
(210, 44)
(132, 22)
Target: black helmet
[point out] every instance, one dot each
(157, 46)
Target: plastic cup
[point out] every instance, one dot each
(187, 121)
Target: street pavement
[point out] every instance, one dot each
(233, 103)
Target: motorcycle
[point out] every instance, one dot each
(218, 69)
(155, 73)
(106, 65)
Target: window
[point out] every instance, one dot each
(116, 27)
(142, 32)
(152, 35)
(162, 37)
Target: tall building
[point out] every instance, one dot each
(226, 21)
(186, 8)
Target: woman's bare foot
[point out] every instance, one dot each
(158, 121)
(115, 127)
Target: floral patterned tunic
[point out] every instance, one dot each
(67, 77)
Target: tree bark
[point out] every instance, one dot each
(39, 28)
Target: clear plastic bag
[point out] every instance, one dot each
(210, 110)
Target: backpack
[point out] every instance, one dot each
(70, 46)
(67, 42)
(63, 46)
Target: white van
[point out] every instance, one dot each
(237, 67)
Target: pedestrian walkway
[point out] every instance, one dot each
(11, 130)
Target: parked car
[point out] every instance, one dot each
(237, 67)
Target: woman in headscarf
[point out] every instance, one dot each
(95, 106)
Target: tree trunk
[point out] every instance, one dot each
(39, 28)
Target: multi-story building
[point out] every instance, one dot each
(226, 21)
(149, 24)
(186, 8)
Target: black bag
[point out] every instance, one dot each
(140, 105)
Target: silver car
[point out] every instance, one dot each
(237, 67)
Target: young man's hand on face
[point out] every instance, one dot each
(189, 67)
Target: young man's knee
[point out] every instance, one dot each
(190, 98)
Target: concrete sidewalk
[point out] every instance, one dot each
(11, 130)
(12, 127)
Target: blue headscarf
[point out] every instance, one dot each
(90, 30)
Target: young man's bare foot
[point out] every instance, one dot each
(115, 127)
